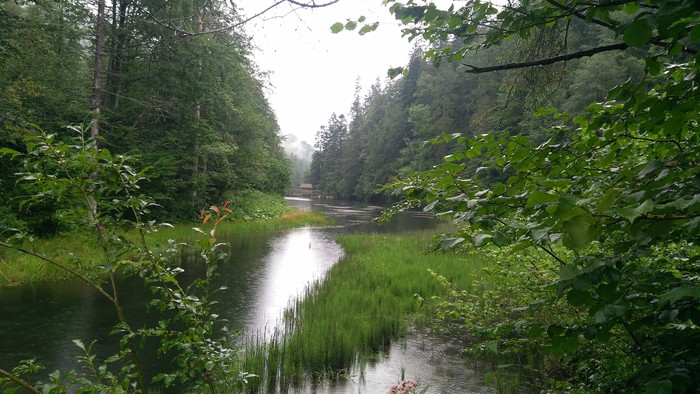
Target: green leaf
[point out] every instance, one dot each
(580, 231)
(535, 332)
(79, 344)
(631, 8)
(567, 344)
(350, 25)
(606, 202)
(8, 151)
(431, 14)
(568, 271)
(493, 347)
(449, 243)
(566, 210)
(481, 239)
(637, 33)
(606, 290)
(650, 168)
(500, 239)
(695, 33)
(337, 27)
(537, 198)
(579, 298)
(632, 213)
(677, 293)
(368, 28)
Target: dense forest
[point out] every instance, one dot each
(386, 133)
(170, 83)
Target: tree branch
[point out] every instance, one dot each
(579, 15)
(551, 253)
(312, 3)
(63, 267)
(19, 381)
(185, 33)
(674, 142)
(551, 60)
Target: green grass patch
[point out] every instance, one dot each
(80, 251)
(256, 205)
(361, 304)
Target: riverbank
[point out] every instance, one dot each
(350, 316)
(17, 268)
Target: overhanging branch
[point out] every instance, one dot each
(550, 60)
(184, 33)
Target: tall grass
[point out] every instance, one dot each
(355, 311)
(256, 205)
(81, 251)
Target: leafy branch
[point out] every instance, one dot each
(19, 381)
(63, 267)
(547, 61)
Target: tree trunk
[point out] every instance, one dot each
(97, 75)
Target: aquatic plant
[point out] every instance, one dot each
(352, 313)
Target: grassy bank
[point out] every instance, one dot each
(18, 268)
(353, 313)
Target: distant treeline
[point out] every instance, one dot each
(385, 133)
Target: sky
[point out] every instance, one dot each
(313, 71)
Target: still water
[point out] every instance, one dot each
(265, 271)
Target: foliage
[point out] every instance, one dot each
(252, 204)
(389, 128)
(191, 108)
(102, 192)
(496, 328)
(616, 187)
(361, 304)
(325, 171)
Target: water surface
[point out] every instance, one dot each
(265, 271)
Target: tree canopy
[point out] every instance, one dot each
(173, 84)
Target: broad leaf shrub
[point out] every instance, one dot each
(619, 190)
(101, 192)
(495, 327)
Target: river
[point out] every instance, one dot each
(265, 271)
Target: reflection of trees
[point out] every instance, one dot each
(42, 320)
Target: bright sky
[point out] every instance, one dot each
(313, 70)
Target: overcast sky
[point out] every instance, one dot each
(313, 70)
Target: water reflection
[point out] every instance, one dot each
(265, 271)
(42, 320)
(298, 257)
(429, 358)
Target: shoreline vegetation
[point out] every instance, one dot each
(383, 284)
(349, 317)
(17, 268)
(341, 322)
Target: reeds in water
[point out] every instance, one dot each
(354, 312)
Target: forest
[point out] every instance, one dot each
(556, 140)
(168, 86)
(387, 131)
